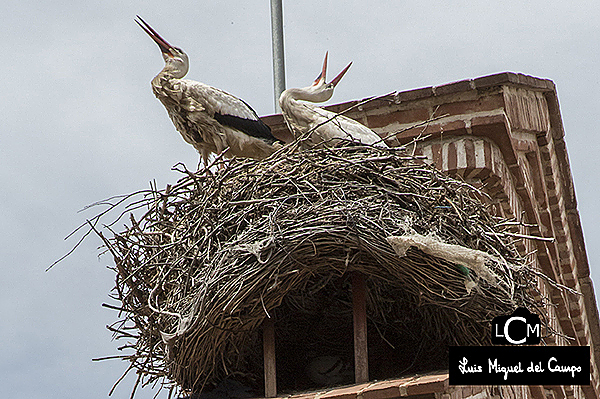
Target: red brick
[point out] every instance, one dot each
(453, 128)
(273, 120)
(514, 78)
(341, 107)
(496, 80)
(416, 94)
(428, 384)
(310, 395)
(452, 157)
(380, 103)
(487, 103)
(458, 126)
(383, 390)
(538, 83)
(469, 155)
(456, 87)
(407, 116)
(344, 393)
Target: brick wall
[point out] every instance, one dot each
(503, 133)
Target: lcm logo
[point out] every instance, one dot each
(520, 328)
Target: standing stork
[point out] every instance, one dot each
(208, 118)
(325, 127)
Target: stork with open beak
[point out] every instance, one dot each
(208, 118)
(324, 126)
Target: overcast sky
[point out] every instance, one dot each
(80, 123)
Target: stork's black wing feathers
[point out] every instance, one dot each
(254, 128)
(229, 110)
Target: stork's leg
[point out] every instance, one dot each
(223, 161)
(203, 163)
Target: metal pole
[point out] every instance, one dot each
(278, 53)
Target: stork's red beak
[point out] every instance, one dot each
(162, 43)
(335, 80)
(323, 71)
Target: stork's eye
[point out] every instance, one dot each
(178, 49)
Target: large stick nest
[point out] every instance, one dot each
(216, 253)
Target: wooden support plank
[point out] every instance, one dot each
(269, 358)
(359, 310)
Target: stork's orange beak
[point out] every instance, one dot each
(335, 80)
(323, 71)
(162, 43)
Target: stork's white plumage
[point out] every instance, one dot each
(208, 118)
(325, 127)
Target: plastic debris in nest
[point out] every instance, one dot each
(465, 259)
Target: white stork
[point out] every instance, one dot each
(209, 119)
(325, 127)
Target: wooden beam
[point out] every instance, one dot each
(359, 310)
(269, 358)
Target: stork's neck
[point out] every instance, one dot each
(168, 74)
(164, 83)
(292, 103)
(173, 71)
(287, 99)
(304, 94)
